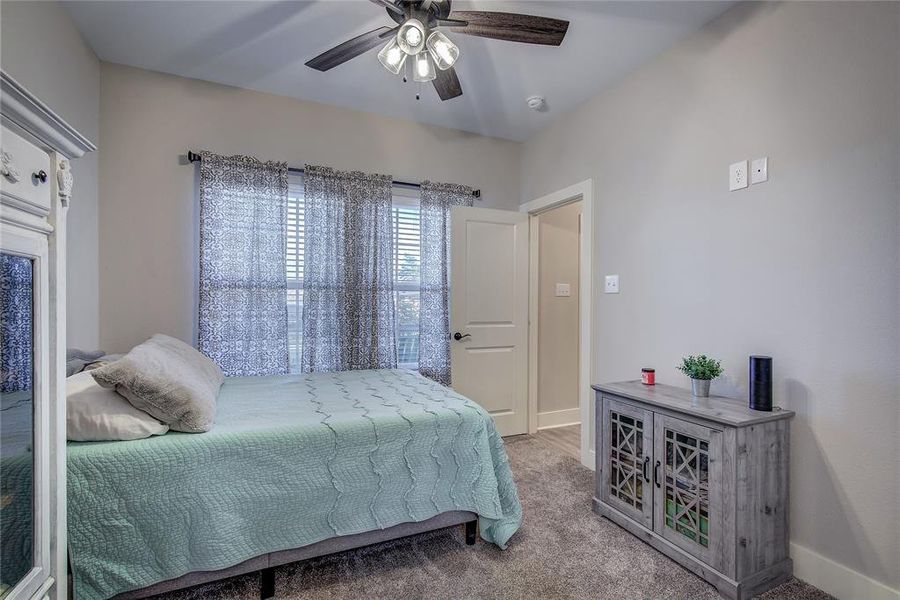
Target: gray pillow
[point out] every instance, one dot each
(169, 380)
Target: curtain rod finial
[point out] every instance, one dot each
(193, 156)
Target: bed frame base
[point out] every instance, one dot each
(471, 532)
(267, 583)
(266, 563)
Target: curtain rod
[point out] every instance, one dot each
(194, 157)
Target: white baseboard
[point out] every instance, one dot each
(836, 579)
(591, 461)
(559, 418)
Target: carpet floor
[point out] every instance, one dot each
(563, 551)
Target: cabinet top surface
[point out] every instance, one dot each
(727, 411)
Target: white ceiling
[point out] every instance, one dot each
(263, 45)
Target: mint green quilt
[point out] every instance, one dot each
(292, 460)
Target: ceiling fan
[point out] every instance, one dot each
(431, 53)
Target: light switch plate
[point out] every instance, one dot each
(759, 170)
(611, 285)
(737, 176)
(563, 290)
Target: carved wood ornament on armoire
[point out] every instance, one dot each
(36, 185)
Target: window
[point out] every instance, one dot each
(295, 232)
(406, 275)
(406, 280)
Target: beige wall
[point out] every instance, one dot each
(41, 49)
(804, 267)
(148, 206)
(558, 333)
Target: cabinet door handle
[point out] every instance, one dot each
(645, 470)
(656, 473)
(41, 175)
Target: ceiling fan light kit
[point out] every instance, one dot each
(423, 68)
(433, 53)
(443, 51)
(411, 36)
(392, 57)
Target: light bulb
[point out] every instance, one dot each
(423, 68)
(443, 51)
(392, 57)
(411, 37)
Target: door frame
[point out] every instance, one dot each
(583, 191)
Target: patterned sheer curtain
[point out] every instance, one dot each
(243, 287)
(16, 327)
(348, 283)
(434, 304)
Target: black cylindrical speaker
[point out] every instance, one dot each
(761, 383)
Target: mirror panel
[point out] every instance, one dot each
(17, 420)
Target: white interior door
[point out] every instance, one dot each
(489, 309)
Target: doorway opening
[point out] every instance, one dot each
(560, 338)
(557, 234)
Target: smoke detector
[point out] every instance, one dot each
(537, 103)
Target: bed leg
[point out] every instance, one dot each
(471, 531)
(267, 583)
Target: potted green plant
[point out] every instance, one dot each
(701, 369)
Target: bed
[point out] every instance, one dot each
(296, 466)
(16, 486)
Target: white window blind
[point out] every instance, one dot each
(294, 261)
(407, 261)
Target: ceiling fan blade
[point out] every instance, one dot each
(512, 27)
(451, 23)
(447, 84)
(351, 49)
(389, 5)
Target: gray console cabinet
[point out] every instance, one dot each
(703, 480)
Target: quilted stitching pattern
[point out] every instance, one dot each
(292, 460)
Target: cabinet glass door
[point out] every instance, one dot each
(628, 445)
(688, 480)
(17, 420)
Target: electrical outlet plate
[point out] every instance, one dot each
(611, 284)
(759, 170)
(737, 176)
(563, 290)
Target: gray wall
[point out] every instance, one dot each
(558, 335)
(148, 201)
(41, 49)
(805, 267)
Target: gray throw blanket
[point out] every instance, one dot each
(77, 359)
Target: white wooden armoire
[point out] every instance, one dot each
(35, 190)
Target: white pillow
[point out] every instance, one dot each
(95, 413)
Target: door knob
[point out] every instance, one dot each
(458, 336)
